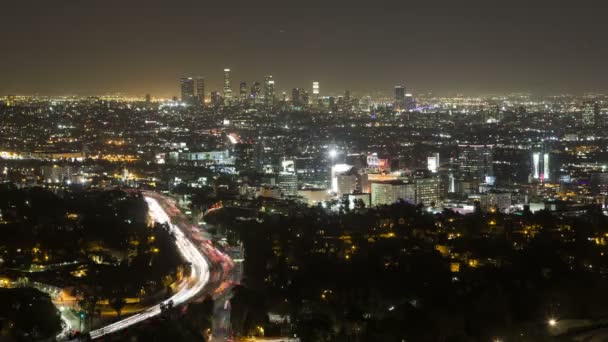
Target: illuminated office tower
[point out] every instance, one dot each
(410, 102)
(389, 192)
(187, 88)
(296, 97)
(268, 90)
(546, 172)
(304, 98)
(540, 166)
(315, 90)
(200, 90)
(332, 104)
(288, 179)
(427, 190)
(451, 182)
(216, 98)
(400, 98)
(256, 89)
(591, 113)
(433, 162)
(227, 86)
(536, 165)
(476, 162)
(243, 91)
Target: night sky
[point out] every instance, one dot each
(448, 47)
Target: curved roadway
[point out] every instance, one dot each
(189, 288)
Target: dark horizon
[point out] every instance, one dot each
(67, 47)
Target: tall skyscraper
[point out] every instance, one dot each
(476, 162)
(216, 98)
(400, 104)
(243, 91)
(410, 102)
(546, 172)
(296, 97)
(433, 162)
(187, 89)
(332, 104)
(288, 179)
(200, 90)
(256, 89)
(268, 90)
(304, 98)
(540, 167)
(315, 90)
(227, 86)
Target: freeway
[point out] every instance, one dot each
(188, 288)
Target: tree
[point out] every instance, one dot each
(117, 303)
(88, 303)
(31, 314)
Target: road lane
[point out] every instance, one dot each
(188, 288)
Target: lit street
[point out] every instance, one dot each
(189, 287)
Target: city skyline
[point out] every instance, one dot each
(444, 48)
(303, 171)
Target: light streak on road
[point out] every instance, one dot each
(67, 326)
(187, 289)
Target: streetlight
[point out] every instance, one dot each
(552, 322)
(333, 154)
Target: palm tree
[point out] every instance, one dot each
(117, 303)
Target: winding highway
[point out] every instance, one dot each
(189, 287)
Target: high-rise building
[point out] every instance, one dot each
(389, 192)
(148, 99)
(347, 183)
(58, 174)
(305, 98)
(216, 98)
(288, 178)
(476, 162)
(500, 201)
(427, 190)
(297, 97)
(540, 166)
(546, 172)
(433, 162)
(591, 113)
(200, 90)
(187, 90)
(400, 104)
(410, 102)
(599, 183)
(315, 90)
(227, 86)
(243, 91)
(269, 90)
(256, 90)
(332, 104)
(288, 183)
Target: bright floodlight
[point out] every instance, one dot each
(333, 153)
(552, 322)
